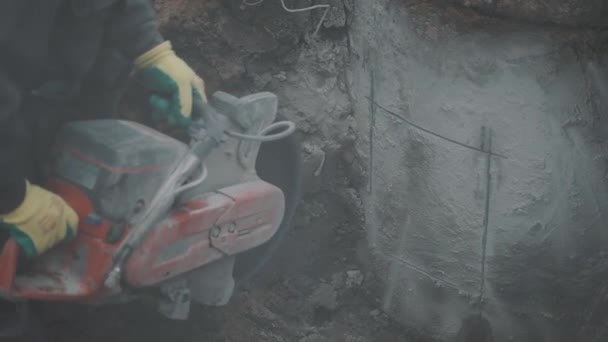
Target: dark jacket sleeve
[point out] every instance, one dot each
(12, 184)
(134, 28)
(13, 139)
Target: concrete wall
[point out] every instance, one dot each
(459, 85)
(581, 13)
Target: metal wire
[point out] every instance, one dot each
(297, 10)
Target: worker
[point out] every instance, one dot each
(58, 60)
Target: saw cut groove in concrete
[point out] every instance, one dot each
(372, 124)
(487, 146)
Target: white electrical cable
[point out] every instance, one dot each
(296, 10)
(305, 9)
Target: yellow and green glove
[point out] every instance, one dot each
(42, 221)
(172, 82)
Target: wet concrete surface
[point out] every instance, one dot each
(484, 139)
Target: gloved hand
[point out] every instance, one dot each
(40, 222)
(173, 83)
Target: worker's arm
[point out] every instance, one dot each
(171, 81)
(13, 138)
(133, 28)
(36, 218)
(12, 186)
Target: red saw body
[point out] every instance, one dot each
(154, 211)
(225, 222)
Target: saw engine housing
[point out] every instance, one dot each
(154, 211)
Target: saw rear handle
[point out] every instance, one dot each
(9, 261)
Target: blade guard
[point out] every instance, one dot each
(226, 222)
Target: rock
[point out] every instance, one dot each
(261, 312)
(336, 16)
(338, 280)
(375, 313)
(354, 278)
(325, 296)
(281, 76)
(261, 81)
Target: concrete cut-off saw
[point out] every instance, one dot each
(179, 222)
